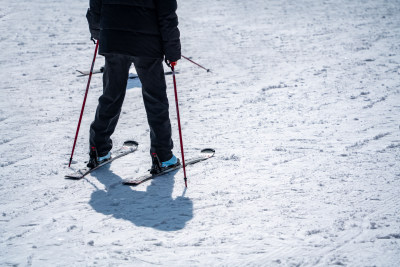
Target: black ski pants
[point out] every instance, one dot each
(151, 75)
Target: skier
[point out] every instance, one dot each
(143, 33)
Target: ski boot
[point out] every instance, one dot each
(95, 160)
(158, 166)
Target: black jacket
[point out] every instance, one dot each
(145, 28)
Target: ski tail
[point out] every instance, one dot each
(128, 147)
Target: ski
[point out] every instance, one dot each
(86, 73)
(127, 148)
(101, 70)
(204, 155)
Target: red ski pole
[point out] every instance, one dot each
(208, 70)
(84, 102)
(179, 121)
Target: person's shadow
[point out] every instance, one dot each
(133, 82)
(154, 207)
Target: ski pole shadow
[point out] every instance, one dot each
(154, 208)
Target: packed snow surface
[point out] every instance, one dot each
(302, 107)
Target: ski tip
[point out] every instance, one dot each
(131, 143)
(209, 151)
(73, 177)
(130, 182)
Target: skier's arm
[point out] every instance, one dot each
(95, 6)
(168, 23)
(93, 17)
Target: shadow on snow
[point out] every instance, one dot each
(153, 208)
(133, 83)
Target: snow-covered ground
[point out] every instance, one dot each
(302, 107)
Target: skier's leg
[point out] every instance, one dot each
(109, 108)
(151, 75)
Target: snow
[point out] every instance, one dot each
(302, 107)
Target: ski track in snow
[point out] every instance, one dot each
(302, 107)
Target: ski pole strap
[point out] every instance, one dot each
(170, 64)
(167, 62)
